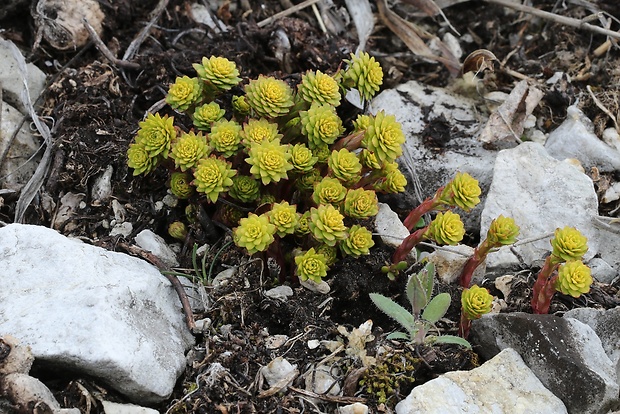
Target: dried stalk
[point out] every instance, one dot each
(287, 12)
(105, 51)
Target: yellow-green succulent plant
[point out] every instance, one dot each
(181, 185)
(359, 241)
(330, 253)
(311, 265)
(269, 97)
(255, 131)
(218, 73)
(574, 278)
(245, 189)
(384, 137)
(361, 204)
(329, 191)
(569, 244)
(184, 93)
(213, 176)
(476, 301)
(463, 191)
(207, 114)
(365, 74)
(270, 161)
(225, 137)
(284, 217)
(188, 149)
(502, 231)
(318, 87)
(156, 134)
(446, 228)
(327, 224)
(302, 158)
(321, 125)
(303, 224)
(177, 230)
(140, 160)
(254, 233)
(345, 165)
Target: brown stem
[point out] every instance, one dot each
(416, 214)
(408, 244)
(544, 287)
(464, 325)
(479, 256)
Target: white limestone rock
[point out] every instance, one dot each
(281, 292)
(541, 194)
(565, 354)
(355, 408)
(102, 313)
(116, 408)
(279, 372)
(155, 244)
(391, 230)
(11, 79)
(575, 138)
(502, 385)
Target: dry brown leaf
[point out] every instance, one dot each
(413, 36)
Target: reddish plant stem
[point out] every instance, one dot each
(416, 214)
(544, 287)
(464, 325)
(479, 256)
(350, 142)
(408, 244)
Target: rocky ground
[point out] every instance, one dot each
(93, 105)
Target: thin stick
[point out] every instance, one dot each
(567, 21)
(287, 12)
(137, 42)
(602, 107)
(104, 49)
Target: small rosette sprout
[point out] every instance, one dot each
(364, 74)
(307, 181)
(369, 159)
(320, 88)
(245, 189)
(311, 265)
(212, 177)
(329, 191)
(395, 181)
(302, 158)
(284, 217)
(384, 137)
(240, 105)
(188, 149)
(207, 114)
(446, 228)
(219, 72)
(255, 233)
(574, 278)
(156, 134)
(184, 92)
(569, 244)
(322, 153)
(181, 185)
(476, 301)
(464, 191)
(177, 230)
(327, 224)
(270, 161)
(502, 231)
(225, 137)
(266, 198)
(361, 123)
(359, 241)
(269, 97)
(344, 165)
(360, 203)
(321, 125)
(139, 159)
(303, 225)
(255, 131)
(330, 253)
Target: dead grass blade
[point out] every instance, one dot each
(430, 8)
(413, 36)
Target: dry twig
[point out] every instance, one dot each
(287, 12)
(105, 51)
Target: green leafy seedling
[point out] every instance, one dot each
(425, 311)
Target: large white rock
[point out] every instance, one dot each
(575, 138)
(502, 385)
(565, 354)
(541, 194)
(102, 313)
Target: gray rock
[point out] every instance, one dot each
(280, 292)
(155, 244)
(102, 313)
(502, 385)
(602, 271)
(11, 79)
(541, 194)
(391, 230)
(449, 262)
(565, 354)
(116, 408)
(575, 138)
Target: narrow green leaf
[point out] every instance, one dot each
(430, 279)
(437, 308)
(394, 311)
(448, 339)
(398, 335)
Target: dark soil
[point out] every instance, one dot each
(96, 107)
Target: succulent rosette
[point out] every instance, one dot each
(384, 137)
(574, 278)
(181, 185)
(303, 224)
(369, 160)
(360, 203)
(255, 233)
(330, 253)
(188, 149)
(322, 153)
(256, 131)
(284, 217)
(177, 230)
(361, 123)
(327, 224)
(207, 114)
(140, 160)
(307, 181)
(320, 88)
(270, 161)
(269, 97)
(321, 125)
(240, 105)
(218, 72)
(329, 191)
(266, 198)
(302, 158)
(225, 137)
(476, 301)
(446, 228)
(569, 244)
(394, 182)
(464, 191)
(364, 74)
(245, 189)
(156, 134)
(502, 231)
(345, 165)
(212, 177)
(311, 265)
(184, 92)
(359, 241)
